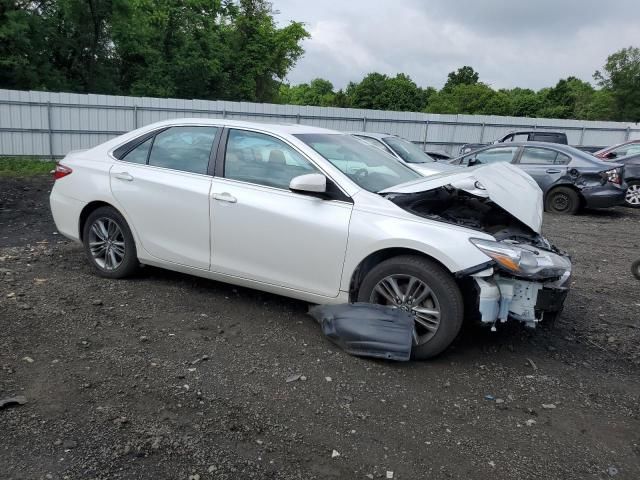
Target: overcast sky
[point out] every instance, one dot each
(510, 43)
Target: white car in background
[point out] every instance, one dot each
(316, 215)
(406, 152)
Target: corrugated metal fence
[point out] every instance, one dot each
(51, 124)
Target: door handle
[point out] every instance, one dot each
(552, 170)
(224, 197)
(124, 176)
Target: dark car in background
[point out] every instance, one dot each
(521, 136)
(632, 147)
(569, 178)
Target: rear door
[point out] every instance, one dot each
(545, 165)
(163, 187)
(263, 231)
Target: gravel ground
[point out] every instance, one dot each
(170, 376)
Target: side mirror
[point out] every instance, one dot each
(309, 183)
(473, 161)
(611, 155)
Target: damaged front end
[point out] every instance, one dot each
(525, 278)
(524, 283)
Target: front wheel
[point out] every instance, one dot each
(563, 200)
(632, 196)
(425, 289)
(109, 244)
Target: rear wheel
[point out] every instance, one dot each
(109, 244)
(425, 289)
(563, 200)
(632, 197)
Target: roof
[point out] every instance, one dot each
(288, 128)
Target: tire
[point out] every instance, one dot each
(445, 298)
(632, 195)
(635, 269)
(562, 200)
(106, 236)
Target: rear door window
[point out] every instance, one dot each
(140, 153)
(186, 149)
(539, 156)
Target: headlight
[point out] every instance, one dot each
(524, 260)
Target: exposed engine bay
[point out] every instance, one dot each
(452, 205)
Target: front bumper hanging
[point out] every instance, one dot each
(501, 298)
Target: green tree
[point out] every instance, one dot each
(463, 76)
(378, 91)
(621, 76)
(318, 92)
(478, 99)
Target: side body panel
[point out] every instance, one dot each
(278, 237)
(170, 210)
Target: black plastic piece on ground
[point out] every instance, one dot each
(367, 330)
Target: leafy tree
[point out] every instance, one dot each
(378, 91)
(621, 76)
(463, 76)
(318, 92)
(476, 98)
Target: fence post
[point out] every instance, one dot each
(582, 136)
(628, 134)
(482, 133)
(135, 116)
(50, 130)
(364, 124)
(297, 118)
(224, 113)
(426, 131)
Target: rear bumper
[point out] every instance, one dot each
(66, 214)
(604, 196)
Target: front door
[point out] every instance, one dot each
(262, 231)
(163, 187)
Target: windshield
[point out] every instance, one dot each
(408, 151)
(367, 166)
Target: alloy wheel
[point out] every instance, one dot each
(412, 295)
(632, 197)
(106, 243)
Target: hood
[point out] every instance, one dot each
(505, 185)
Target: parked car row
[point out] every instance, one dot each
(570, 178)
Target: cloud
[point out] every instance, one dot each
(525, 44)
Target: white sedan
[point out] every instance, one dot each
(316, 215)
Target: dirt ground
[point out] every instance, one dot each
(170, 376)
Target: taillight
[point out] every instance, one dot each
(614, 176)
(61, 171)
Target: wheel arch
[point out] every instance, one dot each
(570, 185)
(374, 258)
(88, 209)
